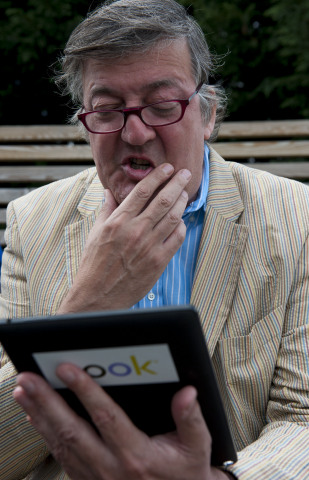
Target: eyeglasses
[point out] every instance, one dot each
(157, 114)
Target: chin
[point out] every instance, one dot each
(121, 196)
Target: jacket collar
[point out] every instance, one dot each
(220, 253)
(76, 234)
(92, 200)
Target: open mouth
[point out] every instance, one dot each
(139, 164)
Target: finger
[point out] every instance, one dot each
(174, 241)
(171, 220)
(46, 410)
(165, 199)
(190, 424)
(144, 191)
(114, 425)
(71, 440)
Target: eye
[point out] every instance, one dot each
(164, 108)
(103, 113)
(106, 107)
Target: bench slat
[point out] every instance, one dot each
(67, 133)
(30, 153)
(38, 174)
(265, 129)
(2, 215)
(9, 194)
(296, 170)
(82, 153)
(267, 149)
(39, 133)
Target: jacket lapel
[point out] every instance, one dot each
(76, 234)
(220, 252)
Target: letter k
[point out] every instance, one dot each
(139, 369)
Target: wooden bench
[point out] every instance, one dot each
(31, 156)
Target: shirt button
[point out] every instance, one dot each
(191, 219)
(151, 296)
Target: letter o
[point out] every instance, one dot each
(95, 371)
(113, 366)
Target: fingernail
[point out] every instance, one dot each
(21, 397)
(191, 404)
(27, 386)
(168, 168)
(184, 194)
(66, 374)
(186, 174)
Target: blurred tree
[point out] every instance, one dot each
(290, 47)
(32, 35)
(265, 49)
(263, 46)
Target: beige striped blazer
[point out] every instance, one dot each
(251, 289)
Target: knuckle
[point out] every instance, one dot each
(157, 261)
(173, 218)
(104, 419)
(181, 232)
(134, 466)
(165, 200)
(142, 191)
(65, 439)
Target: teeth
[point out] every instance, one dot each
(138, 164)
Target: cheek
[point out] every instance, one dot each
(102, 153)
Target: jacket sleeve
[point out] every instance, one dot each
(21, 447)
(282, 449)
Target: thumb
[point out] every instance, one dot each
(191, 427)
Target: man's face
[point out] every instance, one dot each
(124, 158)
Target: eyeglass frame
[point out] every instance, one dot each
(138, 111)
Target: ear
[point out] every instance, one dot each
(208, 128)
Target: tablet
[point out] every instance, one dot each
(140, 357)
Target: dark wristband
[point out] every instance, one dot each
(230, 475)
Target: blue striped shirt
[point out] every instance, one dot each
(175, 284)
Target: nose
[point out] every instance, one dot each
(135, 132)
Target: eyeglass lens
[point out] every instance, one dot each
(154, 115)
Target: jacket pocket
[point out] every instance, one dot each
(245, 366)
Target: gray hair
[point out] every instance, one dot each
(119, 27)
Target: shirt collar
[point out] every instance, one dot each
(201, 198)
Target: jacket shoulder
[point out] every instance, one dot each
(59, 198)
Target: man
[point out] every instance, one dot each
(178, 225)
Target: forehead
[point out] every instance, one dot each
(162, 67)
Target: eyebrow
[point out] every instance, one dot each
(156, 85)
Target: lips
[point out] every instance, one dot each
(137, 168)
(139, 164)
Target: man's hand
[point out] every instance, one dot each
(131, 244)
(119, 451)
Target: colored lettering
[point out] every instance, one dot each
(124, 369)
(138, 369)
(95, 371)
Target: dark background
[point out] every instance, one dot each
(264, 47)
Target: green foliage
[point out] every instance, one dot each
(32, 35)
(263, 46)
(38, 27)
(266, 43)
(290, 47)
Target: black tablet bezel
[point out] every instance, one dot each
(179, 327)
